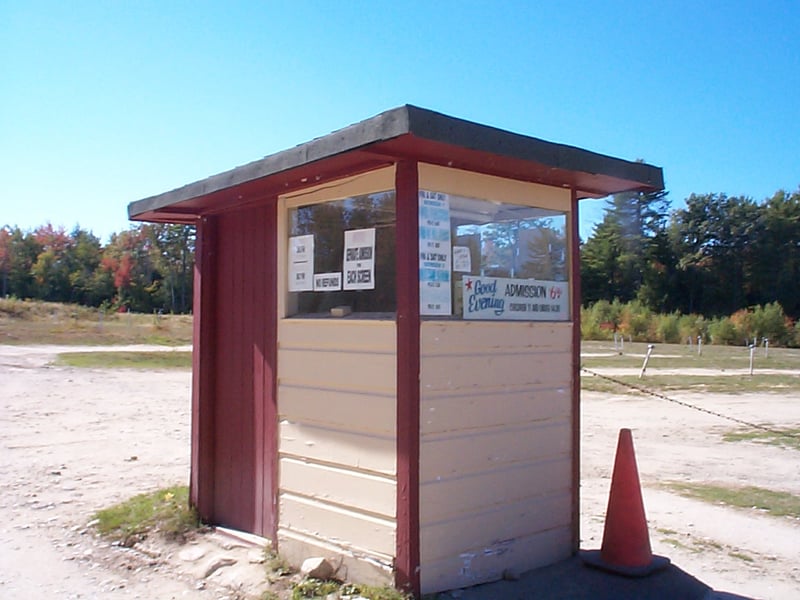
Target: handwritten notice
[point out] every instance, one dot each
(359, 259)
(327, 282)
(301, 263)
(462, 260)
(502, 299)
(434, 254)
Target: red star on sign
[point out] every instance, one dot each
(469, 284)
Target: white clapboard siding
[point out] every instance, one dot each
(337, 447)
(487, 490)
(349, 450)
(487, 564)
(363, 411)
(348, 528)
(496, 430)
(449, 455)
(509, 522)
(482, 409)
(341, 486)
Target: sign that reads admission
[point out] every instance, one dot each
(359, 259)
(501, 299)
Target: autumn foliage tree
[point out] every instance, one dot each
(128, 273)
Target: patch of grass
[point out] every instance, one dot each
(314, 588)
(35, 322)
(317, 588)
(374, 593)
(276, 565)
(741, 556)
(784, 438)
(165, 512)
(590, 383)
(675, 543)
(777, 504)
(126, 360)
(731, 384)
(681, 356)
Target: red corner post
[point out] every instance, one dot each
(575, 278)
(407, 576)
(202, 465)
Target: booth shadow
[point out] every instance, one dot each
(571, 579)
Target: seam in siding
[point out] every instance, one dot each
(327, 504)
(497, 429)
(515, 466)
(345, 469)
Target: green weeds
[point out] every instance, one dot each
(784, 438)
(126, 360)
(776, 504)
(165, 512)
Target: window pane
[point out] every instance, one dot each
(516, 256)
(342, 255)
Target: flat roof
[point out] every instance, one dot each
(403, 133)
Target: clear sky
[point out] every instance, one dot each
(106, 102)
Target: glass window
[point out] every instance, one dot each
(341, 257)
(507, 261)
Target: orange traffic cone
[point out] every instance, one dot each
(626, 541)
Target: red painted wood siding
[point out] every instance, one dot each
(244, 409)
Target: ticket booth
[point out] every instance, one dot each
(387, 345)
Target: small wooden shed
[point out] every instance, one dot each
(387, 344)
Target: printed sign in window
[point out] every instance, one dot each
(327, 282)
(359, 259)
(462, 260)
(301, 263)
(498, 298)
(434, 254)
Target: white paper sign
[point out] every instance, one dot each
(327, 282)
(359, 259)
(497, 298)
(301, 263)
(462, 260)
(434, 254)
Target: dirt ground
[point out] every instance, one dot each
(76, 440)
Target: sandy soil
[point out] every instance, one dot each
(76, 440)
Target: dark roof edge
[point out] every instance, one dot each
(484, 138)
(425, 124)
(386, 125)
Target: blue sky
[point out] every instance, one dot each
(106, 102)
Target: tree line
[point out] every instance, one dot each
(717, 255)
(145, 268)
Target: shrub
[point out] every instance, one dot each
(690, 326)
(723, 331)
(668, 328)
(742, 320)
(635, 322)
(770, 322)
(590, 328)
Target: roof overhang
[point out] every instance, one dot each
(407, 132)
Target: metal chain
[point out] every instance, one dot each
(688, 405)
